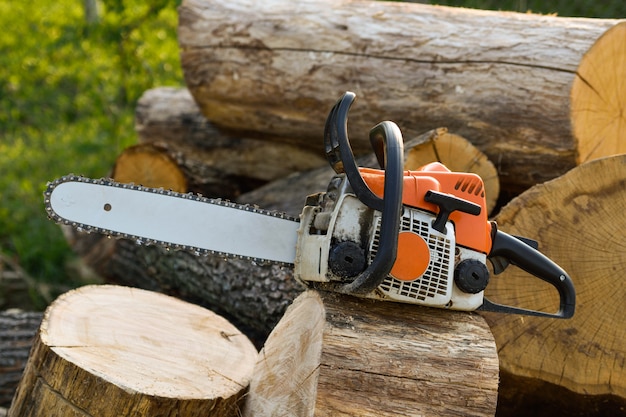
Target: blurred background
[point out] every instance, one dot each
(71, 73)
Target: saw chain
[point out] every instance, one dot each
(140, 240)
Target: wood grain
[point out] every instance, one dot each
(579, 222)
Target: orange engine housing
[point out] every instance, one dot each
(473, 232)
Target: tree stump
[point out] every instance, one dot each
(501, 80)
(573, 367)
(598, 97)
(117, 351)
(336, 355)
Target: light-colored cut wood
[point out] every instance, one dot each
(598, 97)
(579, 222)
(151, 166)
(118, 351)
(335, 355)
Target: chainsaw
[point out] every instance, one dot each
(419, 237)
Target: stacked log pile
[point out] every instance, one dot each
(260, 80)
(215, 163)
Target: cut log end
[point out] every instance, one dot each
(598, 97)
(111, 351)
(334, 355)
(578, 220)
(151, 166)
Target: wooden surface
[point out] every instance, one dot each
(599, 97)
(579, 222)
(151, 166)
(119, 351)
(333, 355)
(501, 80)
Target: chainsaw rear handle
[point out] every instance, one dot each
(521, 254)
(387, 136)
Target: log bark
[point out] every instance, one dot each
(501, 80)
(17, 331)
(216, 164)
(578, 220)
(333, 355)
(115, 351)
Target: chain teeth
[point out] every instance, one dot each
(138, 240)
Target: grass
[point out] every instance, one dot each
(67, 95)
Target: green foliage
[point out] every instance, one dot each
(577, 8)
(67, 96)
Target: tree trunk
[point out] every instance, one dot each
(115, 351)
(501, 80)
(334, 355)
(215, 164)
(17, 331)
(91, 11)
(578, 220)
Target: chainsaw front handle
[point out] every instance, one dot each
(386, 139)
(526, 257)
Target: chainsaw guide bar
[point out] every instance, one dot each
(89, 205)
